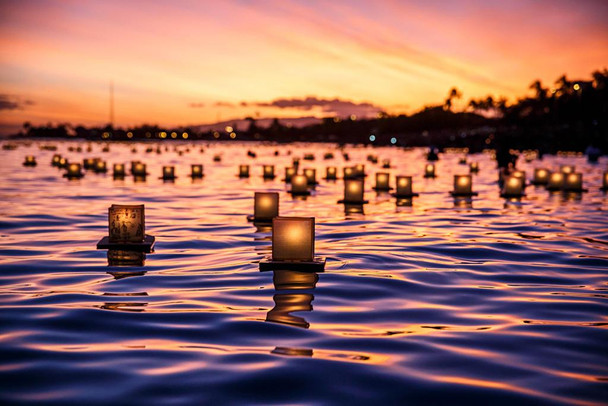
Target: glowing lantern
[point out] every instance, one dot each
(349, 172)
(30, 160)
(74, 171)
(289, 172)
(63, 162)
(168, 173)
(100, 166)
(556, 181)
(265, 206)
(463, 186)
(293, 238)
(541, 176)
(574, 182)
(118, 170)
(55, 160)
(404, 187)
(299, 185)
(243, 171)
(382, 181)
(311, 176)
(513, 187)
(196, 171)
(353, 192)
(359, 170)
(268, 171)
(330, 173)
(138, 169)
(126, 223)
(605, 181)
(429, 171)
(474, 167)
(566, 169)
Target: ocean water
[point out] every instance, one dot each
(436, 302)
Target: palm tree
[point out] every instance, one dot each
(453, 94)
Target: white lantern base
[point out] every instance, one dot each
(316, 265)
(146, 246)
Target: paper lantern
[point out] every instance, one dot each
(100, 166)
(463, 185)
(349, 172)
(217, 158)
(289, 172)
(243, 171)
(311, 176)
(265, 206)
(299, 185)
(268, 171)
(429, 171)
(541, 176)
(196, 171)
(513, 187)
(382, 181)
(474, 167)
(118, 170)
(359, 170)
(353, 191)
(330, 173)
(74, 171)
(89, 163)
(556, 181)
(55, 160)
(293, 239)
(168, 173)
(567, 169)
(404, 187)
(63, 162)
(30, 160)
(126, 223)
(138, 169)
(574, 182)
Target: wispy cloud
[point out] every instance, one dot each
(330, 106)
(11, 102)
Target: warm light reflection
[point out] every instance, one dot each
(567, 169)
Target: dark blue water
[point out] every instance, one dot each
(439, 302)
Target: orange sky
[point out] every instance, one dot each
(195, 62)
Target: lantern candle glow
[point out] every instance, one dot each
(289, 172)
(74, 171)
(100, 166)
(513, 187)
(55, 160)
(243, 171)
(541, 176)
(474, 167)
(330, 173)
(268, 171)
(574, 182)
(138, 169)
(605, 181)
(299, 185)
(429, 171)
(168, 173)
(30, 160)
(359, 170)
(311, 176)
(126, 229)
(353, 192)
(567, 169)
(265, 207)
(404, 187)
(556, 181)
(196, 171)
(382, 181)
(349, 172)
(463, 186)
(118, 170)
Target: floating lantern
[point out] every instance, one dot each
(386, 163)
(359, 170)
(429, 171)
(353, 192)
(349, 172)
(63, 162)
(382, 181)
(556, 181)
(513, 187)
(265, 207)
(299, 185)
(404, 188)
(295, 162)
(196, 171)
(55, 160)
(309, 157)
(574, 182)
(138, 169)
(293, 245)
(289, 172)
(541, 176)
(330, 173)
(311, 176)
(118, 170)
(100, 166)
(89, 163)
(126, 229)
(268, 171)
(74, 171)
(30, 160)
(473, 167)
(463, 186)
(605, 181)
(168, 173)
(567, 168)
(243, 171)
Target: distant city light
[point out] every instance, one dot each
(393, 140)
(185, 136)
(232, 135)
(216, 134)
(129, 134)
(173, 134)
(577, 86)
(372, 138)
(229, 129)
(353, 117)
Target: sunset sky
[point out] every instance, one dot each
(196, 62)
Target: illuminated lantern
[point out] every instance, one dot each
(566, 168)
(330, 173)
(353, 192)
(30, 160)
(474, 167)
(359, 170)
(90, 163)
(513, 187)
(196, 171)
(138, 169)
(265, 207)
(299, 185)
(55, 160)
(404, 187)
(429, 171)
(386, 163)
(100, 166)
(463, 186)
(574, 182)
(243, 171)
(556, 181)
(126, 229)
(168, 173)
(311, 176)
(118, 170)
(541, 176)
(382, 181)
(63, 162)
(74, 171)
(268, 171)
(605, 181)
(289, 172)
(349, 172)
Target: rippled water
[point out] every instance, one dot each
(438, 302)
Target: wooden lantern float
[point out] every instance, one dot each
(30, 160)
(353, 192)
(196, 171)
(74, 171)
(55, 160)
(463, 186)
(474, 167)
(556, 181)
(299, 185)
(293, 246)
(118, 171)
(168, 173)
(567, 169)
(100, 166)
(541, 176)
(513, 187)
(348, 172)
(268, 172)
(265, 207)
(311, 176)
(429, 171)
(331, 173)
(126, 227)
(573, 182)
(243, 171)
(404, 188)
(382, 182)
(605, 181)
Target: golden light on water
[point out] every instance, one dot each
(567, 168)
(293, 238)
(513, 186)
